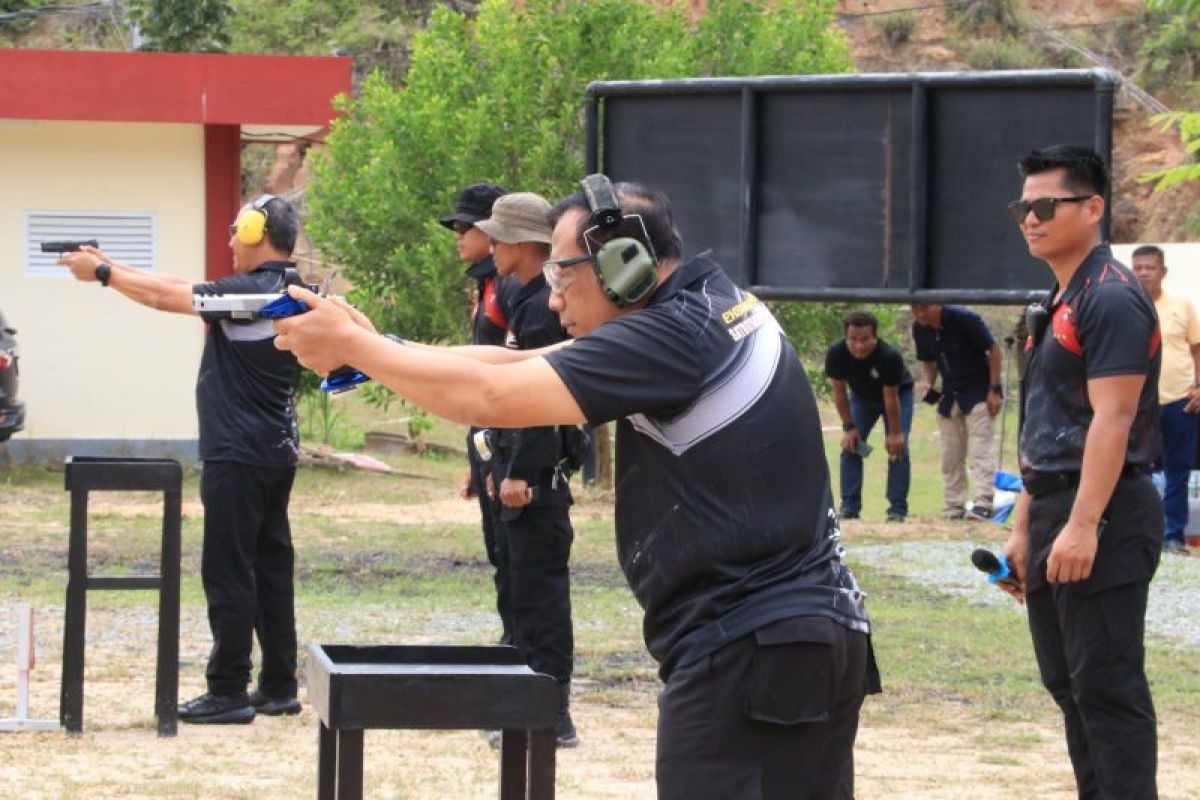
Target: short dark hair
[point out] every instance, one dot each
(283, 225)
(1151, 250)
(1085, 170)
(860, 319)
(651, 205)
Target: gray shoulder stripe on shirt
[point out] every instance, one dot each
(721, 404)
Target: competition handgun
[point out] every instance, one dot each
(274, 306)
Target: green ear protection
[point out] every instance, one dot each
(251, 224)
(627, 270)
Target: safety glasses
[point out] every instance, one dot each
(1043, 208)
(558, 276)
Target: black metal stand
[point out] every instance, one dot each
(89, 474)
(354, 688)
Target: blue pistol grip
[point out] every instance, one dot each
(343, 379)
(1003, 573)
(285, 306)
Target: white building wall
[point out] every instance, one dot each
(97, 368)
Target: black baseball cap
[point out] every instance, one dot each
(474, 204)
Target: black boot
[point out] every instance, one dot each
(564, 729)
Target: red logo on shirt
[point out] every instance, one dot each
(491, 304)
(1066, 333)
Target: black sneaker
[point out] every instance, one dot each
(565, 736)
(843, 514)
(980, 512)
(218, 709)
(895, 516)
(274, 706)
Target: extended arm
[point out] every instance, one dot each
(154, 290)
(514, 394)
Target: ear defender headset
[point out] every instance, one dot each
(627, 270)
(251, 224)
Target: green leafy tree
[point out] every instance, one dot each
(498, 97)
(1183, 15)
(182, 26)
(374, 32)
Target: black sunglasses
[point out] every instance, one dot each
(1042, 208)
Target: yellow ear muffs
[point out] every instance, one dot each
(252, 223)
(626, 271)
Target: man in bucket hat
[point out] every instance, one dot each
(489, 325)
(535, 531)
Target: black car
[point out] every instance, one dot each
(12, 410)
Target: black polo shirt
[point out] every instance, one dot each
(960, 349)
(725, 518)
(884, 366)
(1104, 324)
(531, 454)
(244, 392)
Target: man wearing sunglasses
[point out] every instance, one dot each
(489, 325)
(725, 524)
(1088, 527)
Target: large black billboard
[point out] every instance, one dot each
(852, 187)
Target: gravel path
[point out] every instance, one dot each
(1174, 610)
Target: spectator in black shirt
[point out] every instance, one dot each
(725, 524)
(248, 445)
(535, 531)
(1087, 532)
(879, 386)
(489, 325)
(955, 342)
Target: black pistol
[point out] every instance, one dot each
(68, 246)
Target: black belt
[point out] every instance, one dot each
(1039, 483)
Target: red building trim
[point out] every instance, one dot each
(205, 88)
(222, 195)
(222, 92)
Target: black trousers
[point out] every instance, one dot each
(489, 516)
(538, 547)
(1088, 638)
(770, 716)
(247, 566)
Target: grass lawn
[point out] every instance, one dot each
(387, 559)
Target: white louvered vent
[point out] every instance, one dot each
(125, 236)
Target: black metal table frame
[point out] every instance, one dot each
(527, 754)
(89, 474)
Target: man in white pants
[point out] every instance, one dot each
(955, 342)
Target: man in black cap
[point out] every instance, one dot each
(489, 326)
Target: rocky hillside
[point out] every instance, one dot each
(923, 35)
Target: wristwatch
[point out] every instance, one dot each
(997, 388)
(849, 426)
(103, 273)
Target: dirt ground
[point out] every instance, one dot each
(938, 755)
(937, 749)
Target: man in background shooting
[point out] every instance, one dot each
(248, 446)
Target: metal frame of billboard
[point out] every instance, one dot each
(1103, 82)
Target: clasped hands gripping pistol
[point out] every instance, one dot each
(275, 306)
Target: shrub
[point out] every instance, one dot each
(896, 29)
